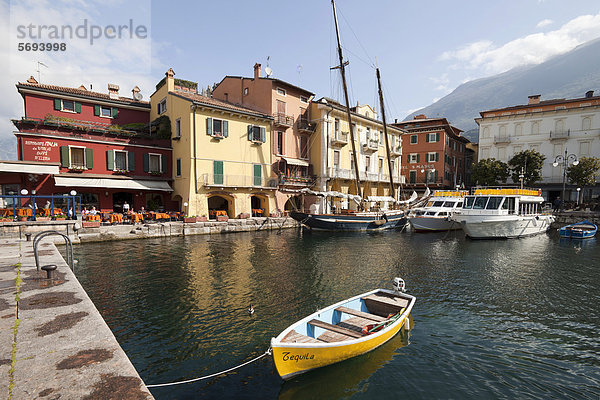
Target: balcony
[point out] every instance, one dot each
(396, 151)
(339, 139)
(237, 181)
(304, 125)
(340, 173)
(371, 145)
(562, 135)
(296, 181)
(501, 139)
(283, 120)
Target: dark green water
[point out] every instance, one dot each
(493, 319)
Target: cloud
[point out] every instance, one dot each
(488, 58)
(544, 22)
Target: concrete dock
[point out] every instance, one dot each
(54, 342)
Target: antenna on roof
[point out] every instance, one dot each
(299, 68)
(38, 69)
(268, 69)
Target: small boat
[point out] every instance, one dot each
(352, 220)
(580, 230)
(503, 213)
(335, 333)
(435, 215)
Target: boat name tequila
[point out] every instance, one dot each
(297, 357)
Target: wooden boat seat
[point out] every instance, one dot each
(335, 328)
(383, 305)
(361, 314)
(295, 337)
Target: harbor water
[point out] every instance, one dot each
(493, 319)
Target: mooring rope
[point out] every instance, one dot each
(266, 353)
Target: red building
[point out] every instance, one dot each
(103, 143)
(433, 153)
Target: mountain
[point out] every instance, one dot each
(568, 75)
(8, 148)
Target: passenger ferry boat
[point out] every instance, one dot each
(503, 213)
(436, 215)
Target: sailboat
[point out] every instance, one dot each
(356, 220)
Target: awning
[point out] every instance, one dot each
(295, 161)
(25, 168)
(380, 198)
(108, 183)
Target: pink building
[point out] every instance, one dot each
(291, 130)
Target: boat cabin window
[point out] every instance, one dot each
(429, 203)
(479, 203)
(460, 204)
(505, 204)
(449, 204)
(442, 214)
(468, 203)
(419, 213)
(430, 213)
(494, 203)
(511, 205)
(438, 203)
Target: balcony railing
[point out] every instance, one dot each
(502, 139)
(396, 151)
(555, 135)
(297, 181)
(341, 173)
(282, 119)
(305, 125)
(371, 145)
(339, 138)
(226, 180)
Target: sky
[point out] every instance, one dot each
(424, 49)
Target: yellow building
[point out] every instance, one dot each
(331, 153)
(221, 152)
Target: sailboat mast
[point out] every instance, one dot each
(387, 145)
(343, 72)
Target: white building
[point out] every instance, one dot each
(551, 127)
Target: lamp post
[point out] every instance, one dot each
(185, 209)
(73, 193)
(578, 190)
(564, 162)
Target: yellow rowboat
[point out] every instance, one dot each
(336, 334)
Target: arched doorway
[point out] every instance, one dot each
(217, 204)
(119, 198)
(259, 205)
(293, 204)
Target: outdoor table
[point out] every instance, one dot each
(158, 216)
(92, 217)
(135, 218)
(257, 212)
(221, 212)
(25, 212)
(115, 218)
(5, 212)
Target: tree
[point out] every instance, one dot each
(584, 173)
(489, 171)
(531, 162)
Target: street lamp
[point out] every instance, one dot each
(564, 162)
(185, 208)
(578, 190)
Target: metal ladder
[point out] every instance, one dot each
(38, 238)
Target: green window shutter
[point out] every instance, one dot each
(78, 107)
(209, 126)
(64, 156)
(257, 175)
(218, 172)
(114, 112)
(163, 163)
(263, 135)
(427, 137)
(437, 137)
(178, 167)
(110, 160)
(437, 156)
(146, 162)
(89, 158)
(58, 104)
(418, 157)
(250, 132)
(96, 110)
(131, 161)
(225, 128)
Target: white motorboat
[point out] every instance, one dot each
(436, 214)
(503, 213)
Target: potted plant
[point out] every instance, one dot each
(190, 220)
(202, 218)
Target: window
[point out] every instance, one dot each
(586, 123)
(352, 161)
(413, 158)
(367, 163)
(414, 139)
(246, 91)
(178, 167)
(485, 133)
(380, 165)
(468, 203)
(155, 164)
(217, 128)
(178, 128)
(120, 160)
(280, 140)
(336, 127)
(432, 157)
(412, 177)
(162, 106)
(77, 157)
(559, 126)
(218, 172)
(68, 105)
(303, 146)
(336, 158)
(432, 137)
(493, 203)
(257, 170)
(256, 134)
(518, 129)
(479, 203)
(105, 112)
(281, 91)
(368, 133)
(584, 149)
(304, 99)
(535, 128)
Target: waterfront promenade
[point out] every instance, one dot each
(54, 342)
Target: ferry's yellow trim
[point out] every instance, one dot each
(291, 361)
(449, 193)
(508, 192)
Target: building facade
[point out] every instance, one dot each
(550, 127)
(221, 152)
(331, 154)
(102, 143)
(434, 154)
(291, 126)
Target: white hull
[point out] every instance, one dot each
(433, 224)
(504, 226)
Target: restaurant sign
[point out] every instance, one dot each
(417, 166)
(41, 150)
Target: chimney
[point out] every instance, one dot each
(589, 93)
(256, 71)
(534, 99)
(113, 91)
(170, 74)
(420, 116)
(32, 80)
(134, 91)
(226, 96)
(81, 87)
